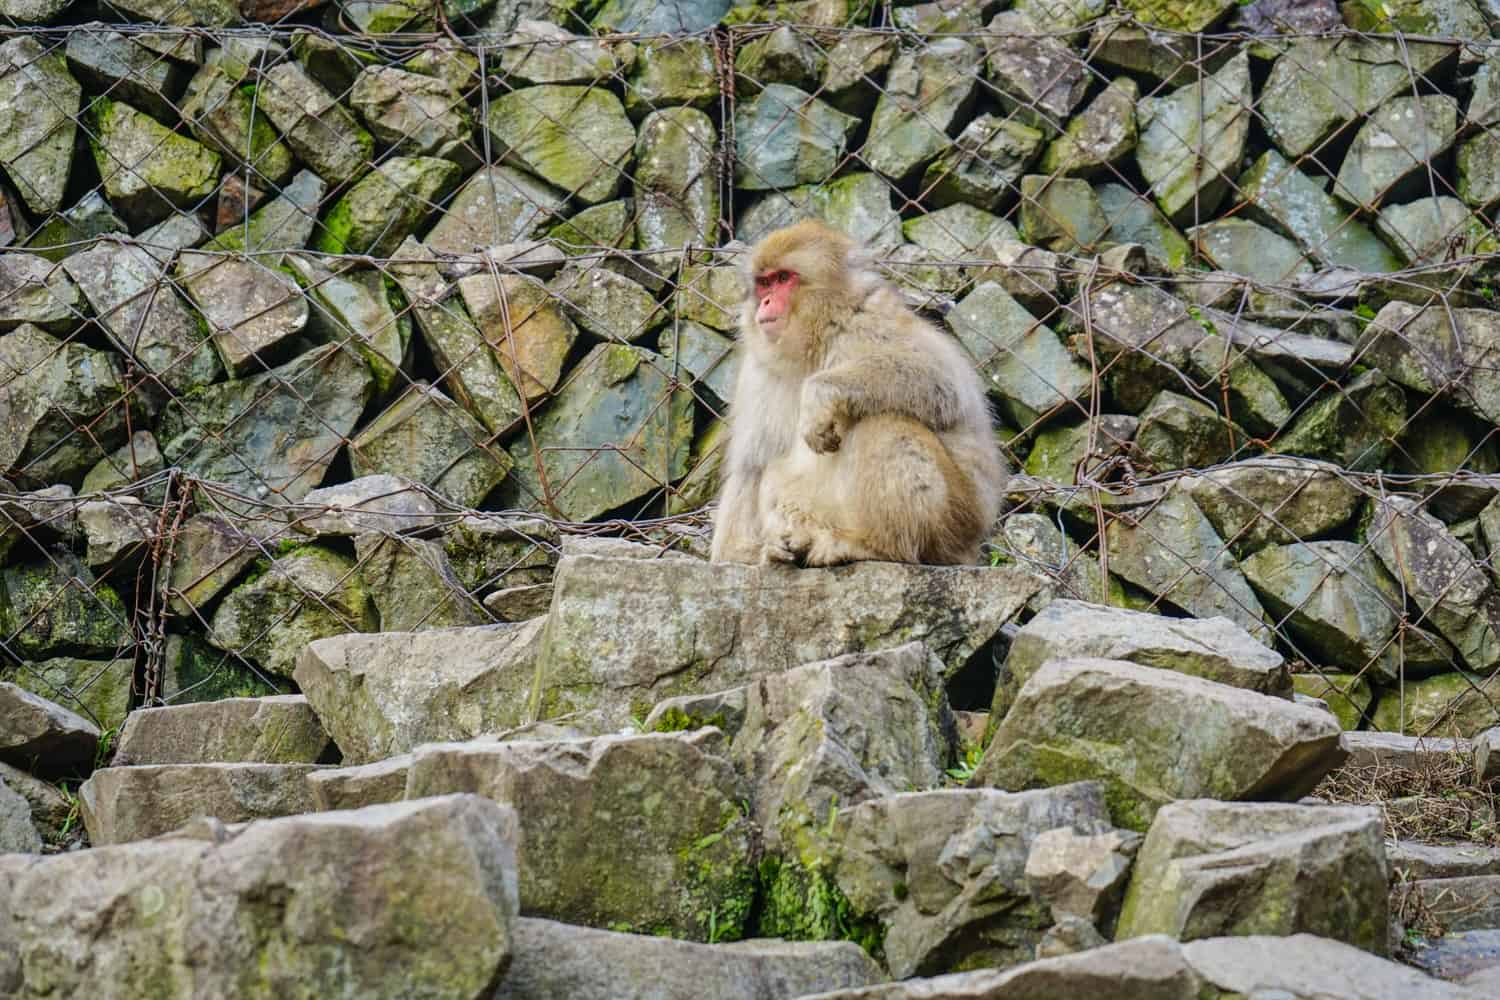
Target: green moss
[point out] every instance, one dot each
(804, 904)
(675, 720)
(338, 228)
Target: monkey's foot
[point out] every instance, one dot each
(790, 535)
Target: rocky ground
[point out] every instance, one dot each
(363, 371)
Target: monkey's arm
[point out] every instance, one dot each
(893, 382)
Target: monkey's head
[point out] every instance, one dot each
(800, 279)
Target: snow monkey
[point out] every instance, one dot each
(858, 430)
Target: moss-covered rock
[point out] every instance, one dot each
(322, 133)
(383, 208)
(1152, 736)
(1296, 869)
(619, 430)
(425, 437)
(575, 138)
(309, 593)
(672, 804)
(36, 136)
(146, 168)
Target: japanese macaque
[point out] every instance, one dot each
(858, 430)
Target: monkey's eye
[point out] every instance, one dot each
(782, 277)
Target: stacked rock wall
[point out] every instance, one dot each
(332, 318)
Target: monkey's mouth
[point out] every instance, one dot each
(772, 328)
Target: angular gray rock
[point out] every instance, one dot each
(980, 168)
(98, 690)
(1038, 78)
(1153, 736)
(858, 203)
(117, 531)
(961, 856)
(609, 305)
(525, 327)
(1274, 500)
(413, 585)
(1354, 425)
(277, 730)
(605, 645)
(577, 139)
(429, 439)
(677, 180)
(384, 694)
(285, 222)
(1025, 366)
(145, 318)
(18, 834)
(57, 386)
(927, 93)
(414, 114)
(58, 606)
(1080, 876)
(1319, 84)
(669, 803)
(1304, 967)
(1437, 572)
(1061, 213)
(40, 735)
(1210, 869)
(146, 169)
(1216, 649)
(381, 503)
(120, 804)
(1193, 139)
(430, 887)
(581, 963)
(322, 133)
(682, 73)
(36, 137)
(1437, 349)
(1100, 135)
(272, 435)
(828, 735)
(308, 593)
(619, 430)
(1180, 432)
(785, 137)
(1250, 249)
(496, 205)
(386, 205)
(251, 309)
(225, 119)
(1172, 551)
(1282, 196)
(1334, 597)
(1401, 137)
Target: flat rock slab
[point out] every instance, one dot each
(278, 730)
(961, 855)
(640, 832)
(1153, 736)
(134, 803)
(361, 785)
(1230, 868)
(1393, 750)
(1300, 967)
(683, 626)
(35, 732)
(581, 963)
(1213, 648)
(385, 693)
(1434, 861)
(410, 900)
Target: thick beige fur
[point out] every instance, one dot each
(860, 431)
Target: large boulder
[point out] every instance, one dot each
(412, 899)
(682, 625)
(1237, 868)
(670, 804)
(1213, 648)
(1153, 736)
(383, 694)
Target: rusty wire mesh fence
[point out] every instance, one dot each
(340, 323)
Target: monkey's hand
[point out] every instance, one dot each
(823, 417)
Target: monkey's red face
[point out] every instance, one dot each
(773, 294)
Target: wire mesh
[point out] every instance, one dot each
(339, 321)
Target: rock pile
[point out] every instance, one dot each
(325, 327)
